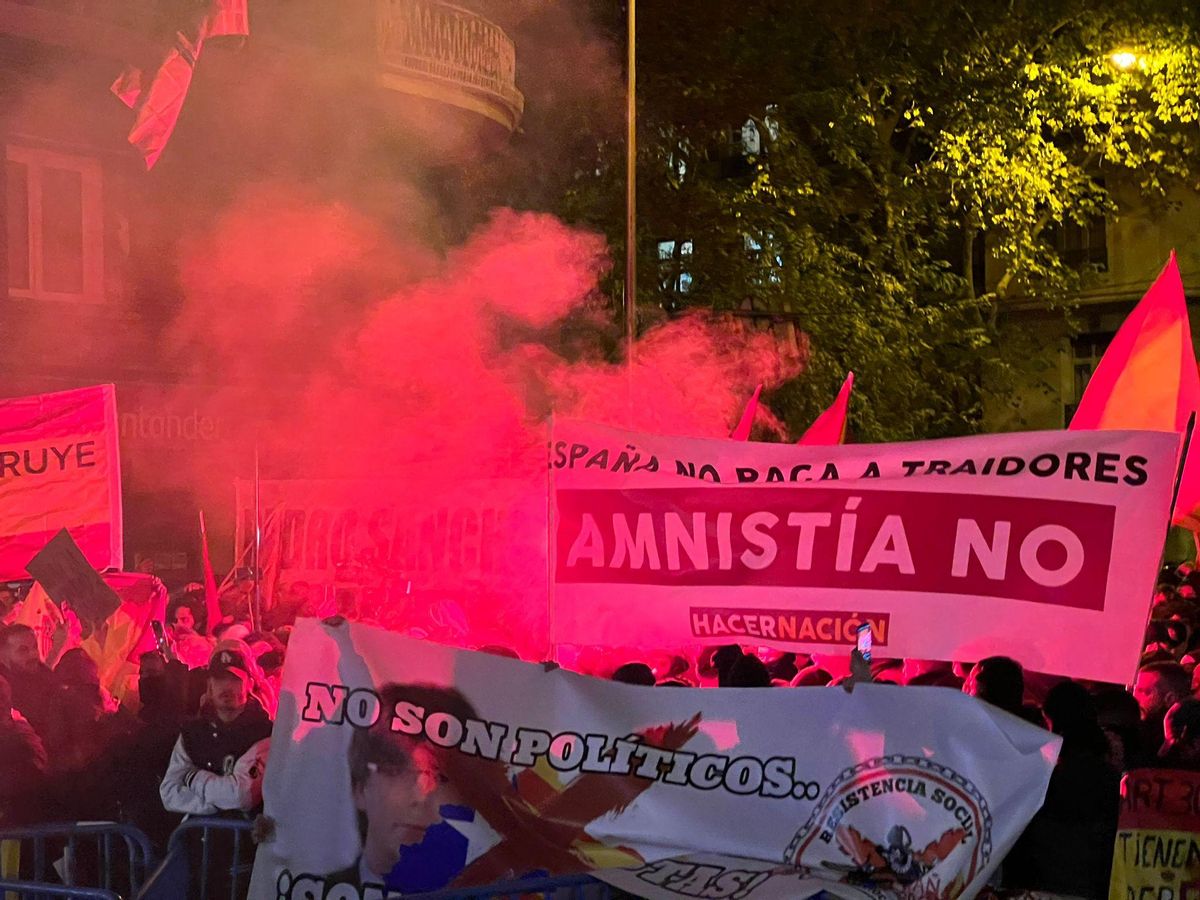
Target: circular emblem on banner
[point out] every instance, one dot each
(902, 822)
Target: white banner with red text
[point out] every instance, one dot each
(406, 766)
(60, 468)
(955, 549)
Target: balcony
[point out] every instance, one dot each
(440, 52)
(443, 76)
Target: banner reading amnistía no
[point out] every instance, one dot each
(405, 766)
(950, 549)
(60, 468)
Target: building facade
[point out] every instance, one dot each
(1052, 357)
(317, 90)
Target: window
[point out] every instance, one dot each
(771, 120)
(677, 161)
(1084, 245)
(763, 252)
(674, 259)
(751, 140)
(1086, 351)
(55, 225)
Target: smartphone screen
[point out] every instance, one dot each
(864, 641)
(160, 638)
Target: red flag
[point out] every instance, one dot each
(159, 104)
(1147, 380)
(742, 432)
(212, 598)
(829, 428)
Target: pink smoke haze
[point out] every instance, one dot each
(391, 362)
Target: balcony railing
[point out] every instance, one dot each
(454, 46)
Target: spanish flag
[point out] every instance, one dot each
(158, 100)
(1147, 380)
(829, 428)
(114, 646)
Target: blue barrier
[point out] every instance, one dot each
(36, 890)
(122, 854)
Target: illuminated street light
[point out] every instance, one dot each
(1124, 59)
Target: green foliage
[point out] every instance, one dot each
(895, 137)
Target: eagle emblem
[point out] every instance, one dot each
(895, 860)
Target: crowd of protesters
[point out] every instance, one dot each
(195, 738)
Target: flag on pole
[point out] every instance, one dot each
(829, 428)
(115, 645)
(742, 432)
(159, 103)
(1147, 380)
(212, 597)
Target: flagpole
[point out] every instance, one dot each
(1188, 431)
(631, 199)
(256, 605)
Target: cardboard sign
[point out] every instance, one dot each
(61, 568)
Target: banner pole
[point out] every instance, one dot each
(631, 203)
(550, 546)
(256, 606)
(1183, 454)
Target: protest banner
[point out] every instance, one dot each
(706, 876)
(60, 468)
(1157, 852)
(450, 560)
(464, 769)
(955, 549)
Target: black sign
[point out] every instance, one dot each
(61, 568)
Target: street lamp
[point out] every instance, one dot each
(1124, 59)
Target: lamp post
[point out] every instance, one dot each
(631, 196)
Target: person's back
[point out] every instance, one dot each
(999, 681)
(748, 671)
(1067, 847)
(23, 766)
(81, 738)
(1181, 737)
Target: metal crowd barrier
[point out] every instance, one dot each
(566, 887)
(37, 890)
(225, 839)
(122, 858)
(195, 847)
(213, 857)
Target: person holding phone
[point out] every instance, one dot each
(190, 647)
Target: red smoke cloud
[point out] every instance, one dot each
(433, 374)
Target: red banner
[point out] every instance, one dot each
(1023, 548)
(60, 468)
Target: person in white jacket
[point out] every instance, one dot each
(218, 761)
